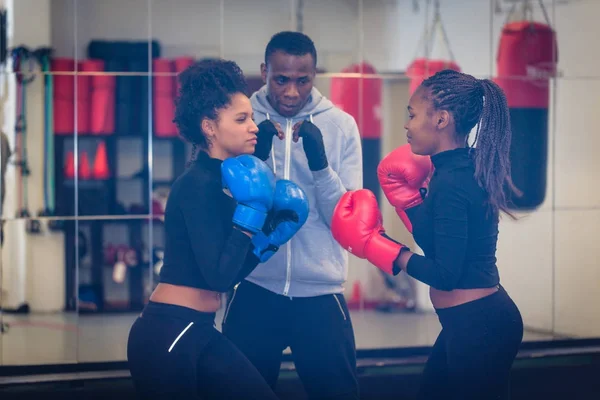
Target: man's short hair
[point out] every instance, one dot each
(294, 43)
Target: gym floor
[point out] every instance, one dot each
(68, 337)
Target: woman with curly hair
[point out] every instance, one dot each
(216, 210)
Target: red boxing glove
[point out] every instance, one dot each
(357, 226)
(402, 174)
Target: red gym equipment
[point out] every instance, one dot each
(526, 62)
(423, 67)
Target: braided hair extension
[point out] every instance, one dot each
(205, 87)
(478, 102)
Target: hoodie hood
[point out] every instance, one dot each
(317, 103)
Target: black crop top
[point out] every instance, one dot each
(454, 228)
(202, 248)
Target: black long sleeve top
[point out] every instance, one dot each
(202, 248)
(454, 228)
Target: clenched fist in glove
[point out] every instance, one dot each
(312, 142)
(266, 131)
(404, 178)
(357, 225)
(252, 184)
(289, 213)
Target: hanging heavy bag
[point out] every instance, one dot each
(181, 64)
(164, 85)
(361, 97)
(102, 99)
(422, 68)
(527, 57)
(84, 93)
(63, 95)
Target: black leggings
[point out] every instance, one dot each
(318, 330)
(473, 355)
(175, 353)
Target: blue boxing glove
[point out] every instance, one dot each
(289, 213)
(252, 184)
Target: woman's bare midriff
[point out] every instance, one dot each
(185, 296)
(456, 297)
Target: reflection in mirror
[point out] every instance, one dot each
(525, 50)
(198, 32)
(248, 27)
(435, 36)
(576, 201)
(337, 39)
(114, 258)
(102, 25)
(116, 153)
(38, 294)
(523, 243)
(114, 56)
(170, 156)
(5, 156)
(380, 303)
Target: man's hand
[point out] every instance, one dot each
(266, 131)
(312, 142)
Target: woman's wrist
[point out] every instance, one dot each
(247, 233)
(401, 261)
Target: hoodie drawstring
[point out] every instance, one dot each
(272, 150)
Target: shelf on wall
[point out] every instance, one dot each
(101, 198)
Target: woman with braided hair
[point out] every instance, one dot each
(449, 194)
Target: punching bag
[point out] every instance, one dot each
(164, 85)
(63, 96)
(102, 99)
(527, 57)
(129, 113)
(181, 64)
(422, 68)
(361, 98)
(83, 96)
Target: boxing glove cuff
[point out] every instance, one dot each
(382, 253)
(263, 248)
(249, 218)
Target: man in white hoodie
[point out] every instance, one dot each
(295, 299)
